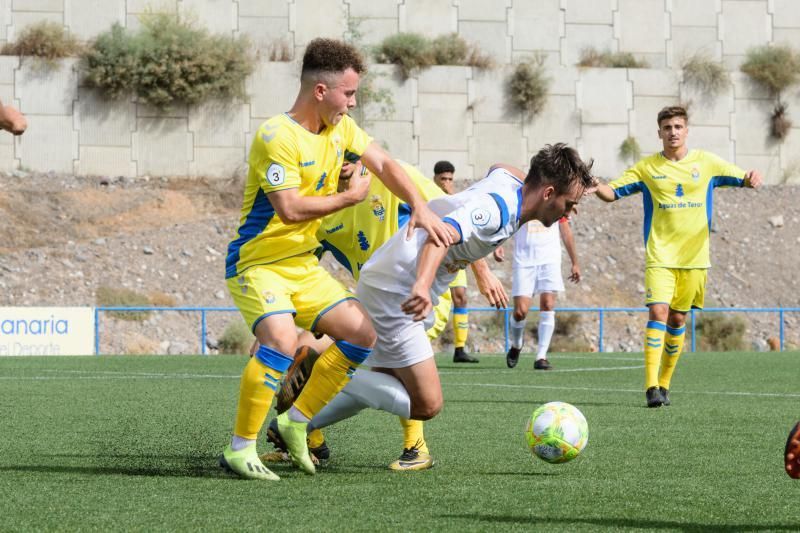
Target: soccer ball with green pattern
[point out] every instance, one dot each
(556, 432)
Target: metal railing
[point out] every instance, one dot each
(507, 312)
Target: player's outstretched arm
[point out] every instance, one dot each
(292, 207)
(491, 287)
(568, 238)
(12, 120)
(604, 192)
(395, 178)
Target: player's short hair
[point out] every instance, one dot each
(672, 111)
(324, 57)
(560, 166)
(443, 166)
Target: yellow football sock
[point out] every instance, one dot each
(259, 381)
(653, 344)
(460, 327)
(413, 436)
(331, 373)
(315, 438)
(673, 346)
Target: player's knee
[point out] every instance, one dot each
(427, 410)
(519, 314)
(364, 336)
(459, 300)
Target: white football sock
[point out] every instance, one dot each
(366, 389)
(547, 324)
(239, 443)
(517, 332)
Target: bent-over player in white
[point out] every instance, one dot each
(402, 281)
(537, 269)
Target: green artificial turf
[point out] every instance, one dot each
(130, 443)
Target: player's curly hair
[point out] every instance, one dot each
(672, 111)
(329, 56)
(560, 166)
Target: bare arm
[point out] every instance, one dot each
(292, 207)
(396, 180)
(513, 170)
(12, 120)
(489, 285)
(419, 302)
(569, 243)
(605, 193)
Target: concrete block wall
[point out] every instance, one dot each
(446, 112)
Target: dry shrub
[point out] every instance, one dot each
(412, 52)
(45, 40)
(591, 57)
(718, 332)
(138, 344)
(162, 299)
(527, 87)
(703, 73)
(409, 51)
(280, 50)
(780, 123)
(236, 339)
(630, 150)
(122, 297)
(168, 61)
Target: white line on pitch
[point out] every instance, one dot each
(505, 370)
(596, 389)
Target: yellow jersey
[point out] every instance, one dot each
(354, 233)
(678, 204)
(285, 155)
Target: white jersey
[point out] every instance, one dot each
(535, 244)
(483, 219)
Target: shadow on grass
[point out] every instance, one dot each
(130, 465)
(687, 527)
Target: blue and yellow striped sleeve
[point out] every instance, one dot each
(725, 174)
(629, 183)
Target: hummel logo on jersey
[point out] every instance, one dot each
(659, 177)
(334, 229)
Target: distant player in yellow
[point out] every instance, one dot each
(351, 236)
(271, 270)
(443, 176)
(677, 186)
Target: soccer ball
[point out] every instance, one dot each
(556, 432)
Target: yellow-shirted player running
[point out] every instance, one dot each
(677, 187)
(271, 270)
(351, 236)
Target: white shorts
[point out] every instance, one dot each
(401, 341)
(530, 280)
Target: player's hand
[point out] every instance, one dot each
(575, 276)
(12, 120)
(499, 255)
(438, 230)
(359, 187)
(492, 289)
(418, 304)
(753, 179)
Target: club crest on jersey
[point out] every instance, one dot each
(377, 207)
(269, 297)
(695, 174)
(276, 175)
(480, 217)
